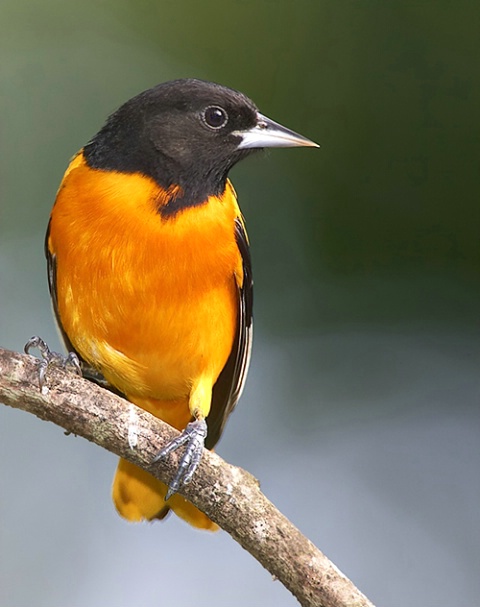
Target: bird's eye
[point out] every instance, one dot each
(215, 117)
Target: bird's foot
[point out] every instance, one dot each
(51, 359)
(194, 438)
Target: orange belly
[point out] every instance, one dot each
(151, 302)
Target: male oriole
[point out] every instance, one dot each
(149, 268)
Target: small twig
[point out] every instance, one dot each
(228, 495)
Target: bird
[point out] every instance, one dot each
(150, 274)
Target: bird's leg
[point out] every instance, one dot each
(194, 438)
(51, 359)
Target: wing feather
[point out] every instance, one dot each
(229, 385)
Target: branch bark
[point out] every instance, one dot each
(229, 495)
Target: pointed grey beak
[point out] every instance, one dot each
(269, 134)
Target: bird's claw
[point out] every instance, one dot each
(51, 359)
(194, 438)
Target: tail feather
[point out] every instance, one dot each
(139, 496)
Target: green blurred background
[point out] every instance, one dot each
(361, 413)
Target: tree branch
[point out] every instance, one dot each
(228, 495)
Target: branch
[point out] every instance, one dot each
(228, 495)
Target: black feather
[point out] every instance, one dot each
(228, 388)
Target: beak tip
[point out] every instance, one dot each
(305, 143)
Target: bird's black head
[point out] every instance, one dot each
(187, 133)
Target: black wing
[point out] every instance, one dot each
(229, 385)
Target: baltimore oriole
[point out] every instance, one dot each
(149, 268)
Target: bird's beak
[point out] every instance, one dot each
(269, 134)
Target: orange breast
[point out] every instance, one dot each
(151, 302)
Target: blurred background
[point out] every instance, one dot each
(361, 413)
